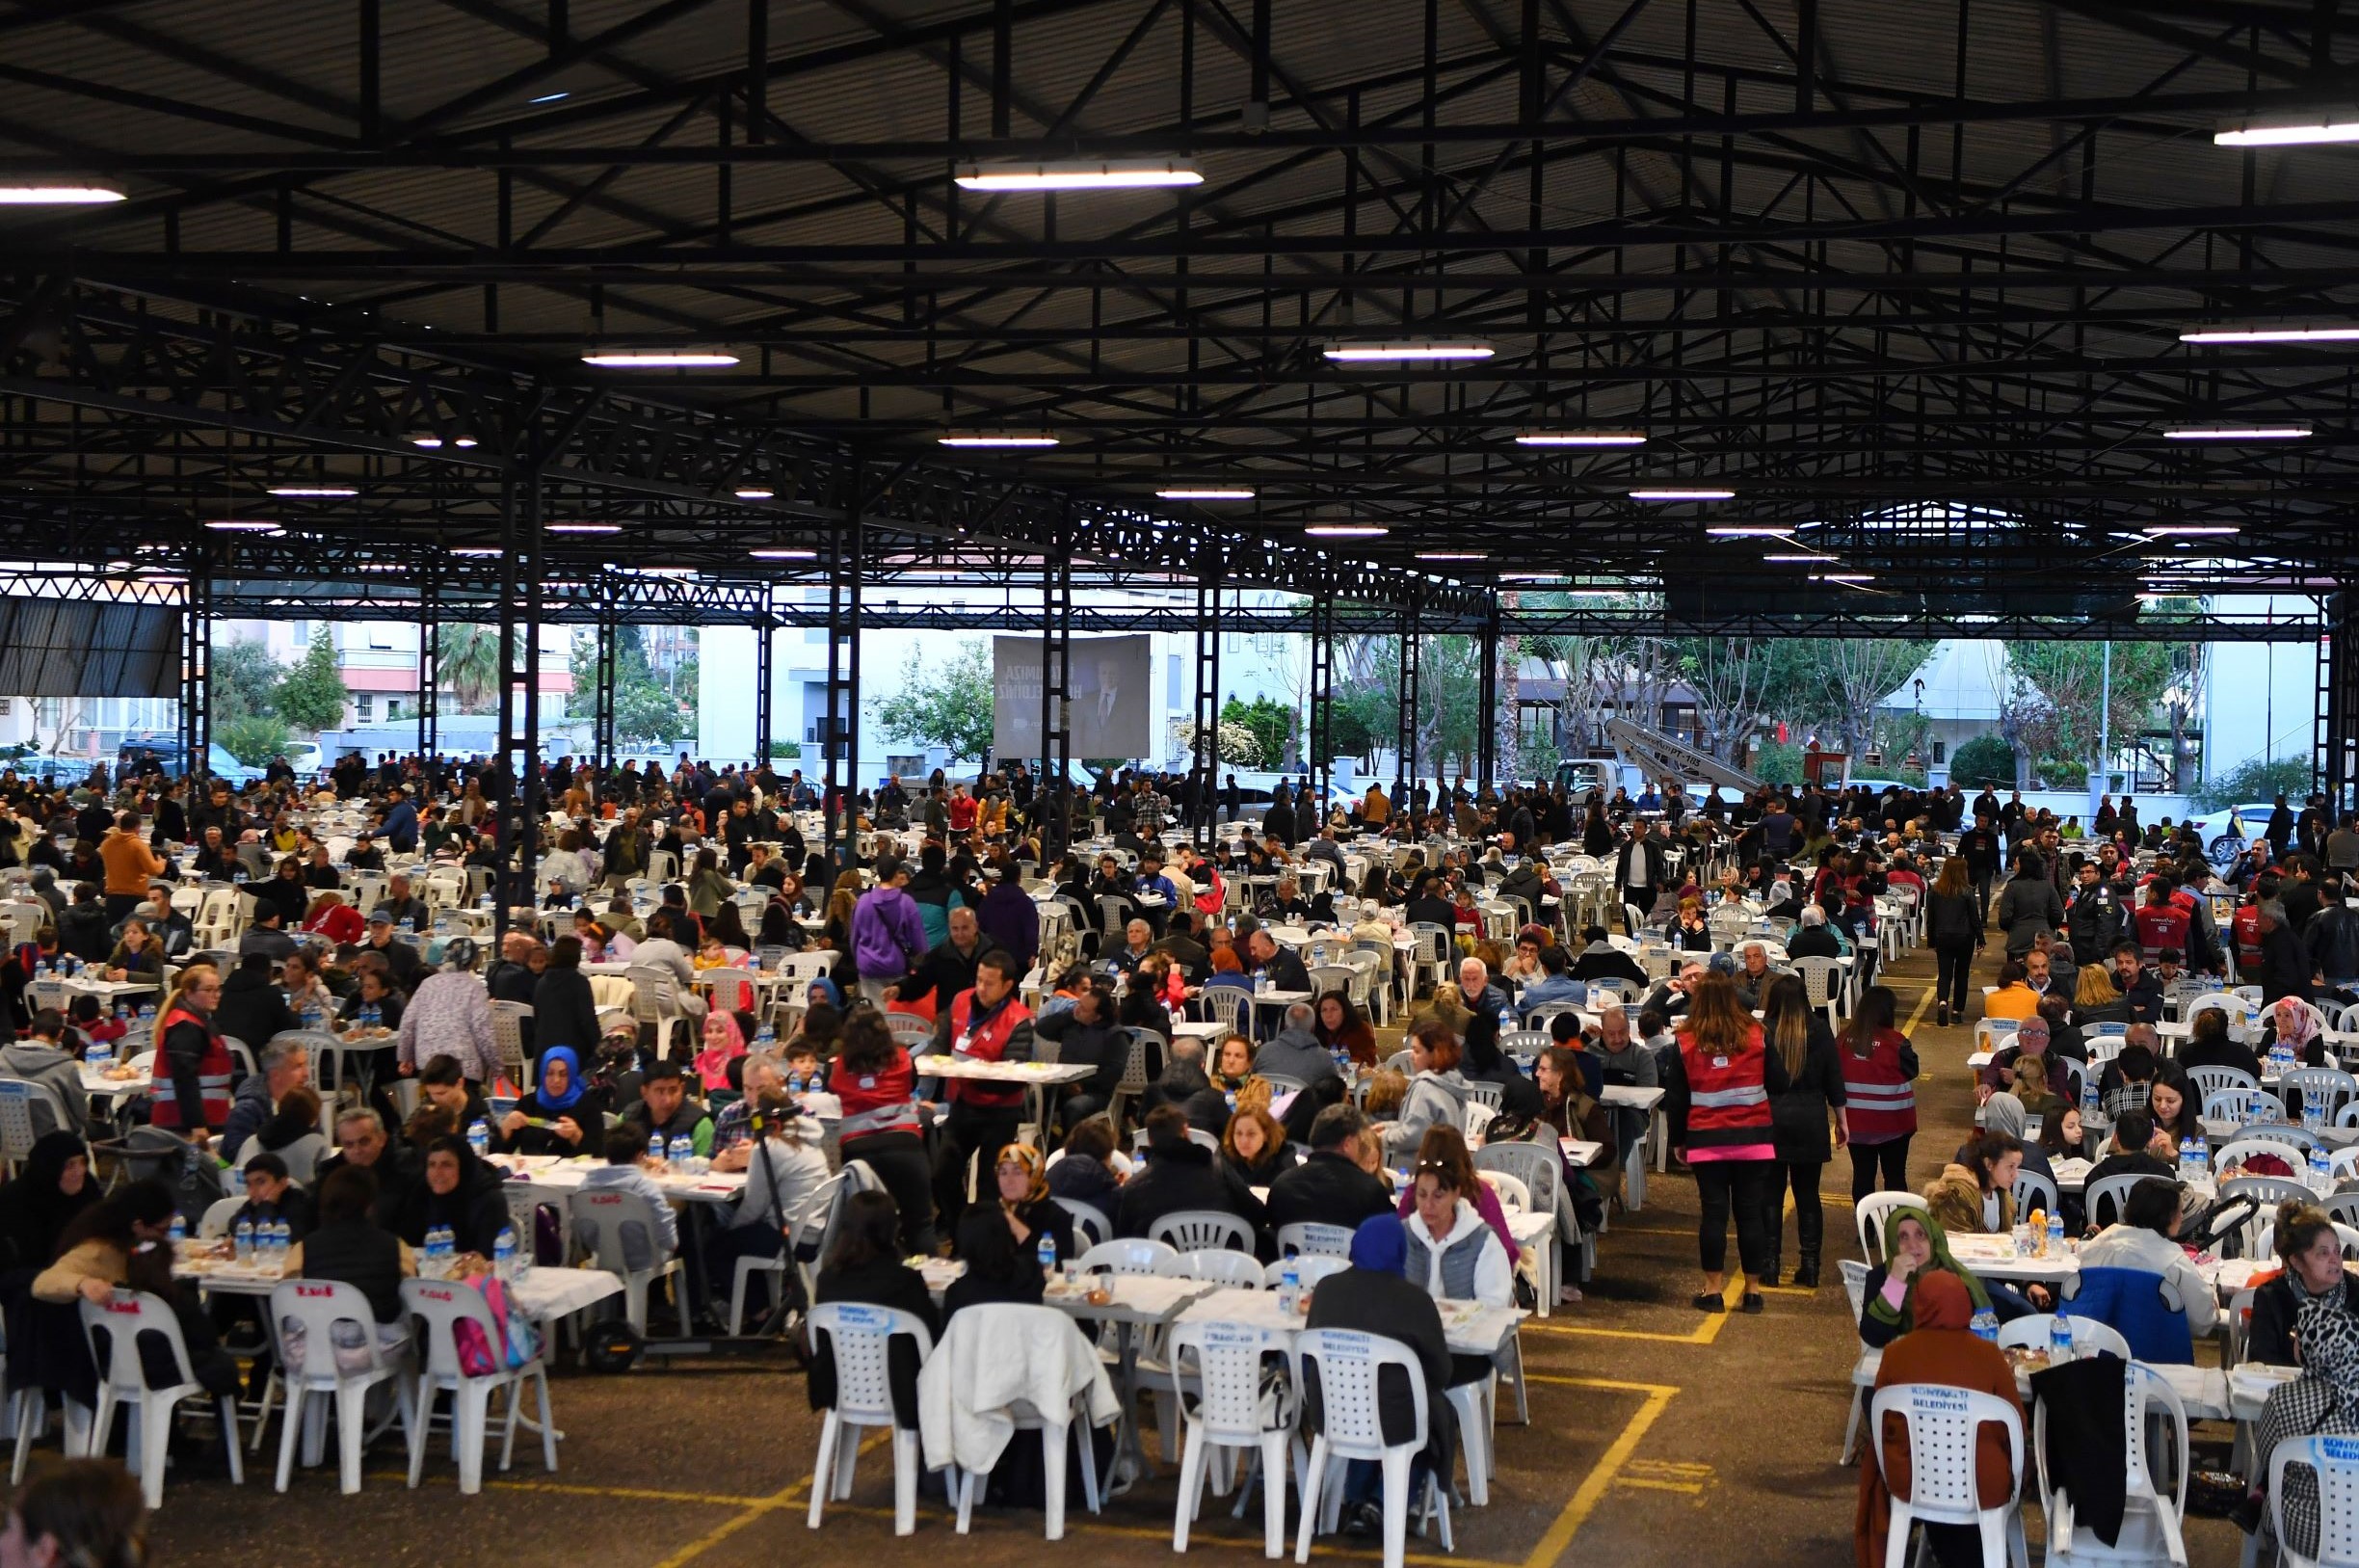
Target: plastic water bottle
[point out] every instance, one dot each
(438, 1251)
(764, 1038)
(2055, 1233)
(655, 1147)
(2186, 1158)
(179, 1231)
(280, 1244)
(2088, 1095)
(1985, 1326)
(794, 1082)
(244, 1236)
(2203, 1155)
(100, 1055)
(2059, 1339)
(2314, 1112)
(1289, 1288)
(683, 1149)
(503, 1254)
(1046, 1253)
(478, 1137)
(2321, 1171)
(148, 1015)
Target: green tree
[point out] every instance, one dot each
(2062, 690)
(243, 678)
(1833, 685)
(2257, 781)
(952, 710)
(252, 738)
(1270, 722)
(467, 665)
(311, 696)
(1984, 762)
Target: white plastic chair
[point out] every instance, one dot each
(2335, 1460)
(125, 1316)
(507, 1037)
(984, 1331)
(318, 1306)
(2242, 1106)
(444, 1305)
(1943, 1424)
(1309, 1268)
(861, 1338)
(1221, 1363)
(2211, 1078)
(1089, 1223)
(2327, 1087)
(2151, 1522)
(1192, 1230)
(1823, 979)
(1222, 1265)
(2346, 1237)
(2033, 1191)
(2113, 1189)
(1347, 1365)
(603, 1219)
(1870, 1216)
(2089, 1336)
(1310, 1237)
(1128, 1255)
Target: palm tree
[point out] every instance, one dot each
(467, 663)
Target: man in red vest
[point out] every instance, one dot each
(986, 1024)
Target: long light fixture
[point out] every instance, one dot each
(1453, 555)
(1790, 557)
(57, 196)
(998, 438)
(1747, 530)
(756, 494)
(478, 550)
(585, 527)
(1206, 492)
(658, 359)
(1682, 494)
(435, 442)
(2166, 530)
(2291, 332)
(2237, 433)
(783, 555)
(1082, 176)
(1405, 352)
(1345, 530)
(243, 526)
(1581, 438)
(2320, 132)
(314, 492)
(1843, 576)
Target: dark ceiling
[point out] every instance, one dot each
(1909, 279)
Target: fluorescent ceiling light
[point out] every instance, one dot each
(1418, 349)
(2287, 333)
(57, 196)
(1453, 555)
(313, 491)
(2237, 433)
(657, 358)
(783, 555)
(478, 550)
(1581, 438)
(243, 526)
(1683, 495)
(989, 439)
(434, 442)
(550, 98)
(1345, 530)
(756, 494)
(1843, 576)
(2167, 530)
(2312, 133)
(1078, 175)
(585, 527)
(1206, 492)
(1801, 555)
(1747, 530)
(1532, 576)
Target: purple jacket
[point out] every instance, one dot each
(1010, 917)
(888, 936)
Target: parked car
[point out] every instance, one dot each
(2226, 831)
(136, 750)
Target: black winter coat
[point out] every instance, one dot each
(1798, 1113)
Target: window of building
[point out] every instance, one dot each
(302, 634)
(379, 634)
(1176, 699)
(364, 708)
(1940, 751)
(393, 708)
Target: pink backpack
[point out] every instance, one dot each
(520, 1339)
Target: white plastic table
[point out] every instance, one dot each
(1035, 1079)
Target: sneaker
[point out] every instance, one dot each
(1364, 1519)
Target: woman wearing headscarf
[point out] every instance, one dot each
(2322, 1401)
(45, 1197)
(460, 1192)
(1914, 1248)
(561, 1113)
(2292, 1025)
(724, 1043)
(1941, 1348)
(1023, 1198)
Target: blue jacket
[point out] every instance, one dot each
(2131, 1300)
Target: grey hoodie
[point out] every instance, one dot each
(37, 1061)
(1434, 1098)
(1295, 1053)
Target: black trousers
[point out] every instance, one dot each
(1951, 966)
(899, 1159)
(968, 1130)
(1746, 1189)
(1866, 1158)
(1982, 881)
(1810, 1214)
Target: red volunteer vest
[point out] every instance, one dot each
(213, 1070)
(1727, 1102)
(986, 1043)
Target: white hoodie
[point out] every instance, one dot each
(1493, 1274)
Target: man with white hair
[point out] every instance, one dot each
(1475, 987)
(1755, 978)
(1813, 937)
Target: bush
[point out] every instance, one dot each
(1779, 764)
(253, 740)
(790, 750)
(2255, 779)
(1984, 762)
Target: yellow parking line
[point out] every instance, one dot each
(753, 1511)
(1078, 1523)
(1601, 1477)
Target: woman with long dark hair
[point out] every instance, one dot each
(1717, 1087)
(1953, 925)
(1799, 1033)
(1879, 1068)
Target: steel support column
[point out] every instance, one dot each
(2338, 743)
(603, 742)
(1405, 719)
(196, 672)
(1056, 703)
(1319, 763)
(1487, 702)
(839, 735)
(1204, 790)
(765, 635)
(429, 666)
(522, 552)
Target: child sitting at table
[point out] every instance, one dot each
(622, 1173)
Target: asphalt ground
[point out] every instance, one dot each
(1658, 1434)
